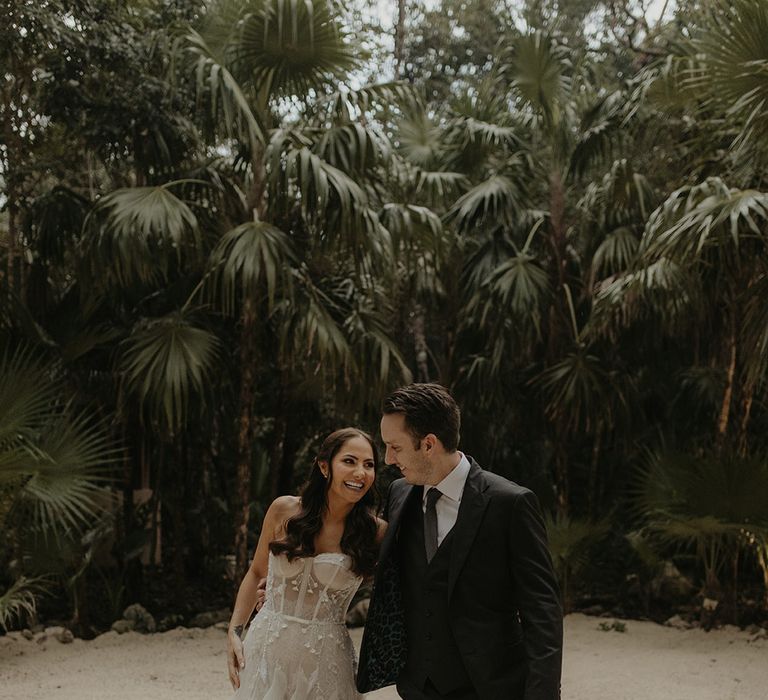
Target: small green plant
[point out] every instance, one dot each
(570, 540)
(615, 626)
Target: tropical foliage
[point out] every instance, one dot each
(229, 227)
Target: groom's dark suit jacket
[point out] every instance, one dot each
(502, 604)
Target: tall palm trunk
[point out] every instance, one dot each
(557, 325)
(746, 411)
(277, 452)
(248, 353)
(593, 496)
(256, 204)
(176, 502)
(725, 406)
(13, 147)
(399, 37)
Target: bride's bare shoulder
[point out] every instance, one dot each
(285, 506)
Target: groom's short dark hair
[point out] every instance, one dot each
(427, 408)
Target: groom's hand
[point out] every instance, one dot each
(261, 594)
(235, 659)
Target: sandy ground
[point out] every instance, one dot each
(647, 662)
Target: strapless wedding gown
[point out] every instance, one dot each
(298, 647)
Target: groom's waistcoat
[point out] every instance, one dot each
(432, 650)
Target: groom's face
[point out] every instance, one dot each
(404, 451)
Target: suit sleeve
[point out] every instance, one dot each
(538, 599)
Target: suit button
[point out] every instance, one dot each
(428, 613)
(429, 636)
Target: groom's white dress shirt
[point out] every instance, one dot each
(447, 506)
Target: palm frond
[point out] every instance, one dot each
(346, 104)
(227, 109)
(413, 226)
(616, 253)
(486, 133)
(252, 259)
(165, 364)
(664, 291)
(733, 60)
(497, 200)
(63, 487)
(578, 390)
(692, 499)
(135, 233)
(439, 184)
(708, 215)
(52, 460)
(28, 387)
(313, 329)
(521, 285)
(419, 139)
(353, 148)
(292, 48)
(20, 600)
(327, 197)
(536, 67)
(621, 197)
(600, 132)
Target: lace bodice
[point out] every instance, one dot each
(298, 647)
(318, 588)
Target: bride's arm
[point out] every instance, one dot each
(249, 592)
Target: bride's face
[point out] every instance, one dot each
(352, 470)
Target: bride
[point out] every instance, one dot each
(315, 551)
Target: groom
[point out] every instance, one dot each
(465, 603)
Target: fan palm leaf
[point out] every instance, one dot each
(536, 67)
(708, 215)
(167, 362)
(135, 233)
(353, 148)
(712, 503)
(497, 200)
(20, 599)
(616, 253)
(228, 109)
(413, 226)
(521, 285)
(290, 47)
(732, 58)
(253, 259)
(578, 390)
(52, 460)
(346, 104)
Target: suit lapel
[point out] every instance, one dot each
(474, 501)
(395, 513)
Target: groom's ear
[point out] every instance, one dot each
(429, 442)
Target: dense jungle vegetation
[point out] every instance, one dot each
(230, 227)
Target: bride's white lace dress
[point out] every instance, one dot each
(298, 647)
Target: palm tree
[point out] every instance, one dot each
(54, 465)
(715, 506)
(306, 206)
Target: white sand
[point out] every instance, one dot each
(647, 662)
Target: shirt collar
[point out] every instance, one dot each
(453, 484)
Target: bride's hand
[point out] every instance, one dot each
(235, 659)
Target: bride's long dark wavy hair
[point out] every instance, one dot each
(359, 538)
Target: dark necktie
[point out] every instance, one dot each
(430, 523)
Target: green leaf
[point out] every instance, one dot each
(498, 200)
(134, 234)
(253, 259)
(165, 364)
